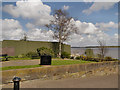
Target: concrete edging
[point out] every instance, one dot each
(64, 71)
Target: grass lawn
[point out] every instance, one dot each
(68, 62)
(54, 62)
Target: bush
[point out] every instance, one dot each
(78, 58)
(87, 58)
(89, 53)
(12, 56)
(108, 58)
(72, 57)
(115, 59)
(99, 56)
(92, 59)
(82, 57)
(65, 55)
(32, 55)
(45, 51)
(22, 56)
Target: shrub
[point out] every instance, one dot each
(12, 56)
(78, 58)
(72, 57)
(92, 59)
(115, 59)
(89, 53)
(22, 56)
(32, 55)
(65, 55)
(99, 56)
(82, 57)
(45, 51)
(108, 58)
(88, 58)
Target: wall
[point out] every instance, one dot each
(23, 47)
(59, 72)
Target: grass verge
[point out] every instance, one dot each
(68, 62)
(54, 62)
(19, 67)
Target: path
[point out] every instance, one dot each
(110, 81)
(20, 62)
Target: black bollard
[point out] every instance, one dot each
(16, 81)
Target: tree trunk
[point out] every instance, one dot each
(60, 42)
(60, 49)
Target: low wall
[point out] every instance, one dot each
(58, 72)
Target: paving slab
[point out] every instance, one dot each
(107, 81)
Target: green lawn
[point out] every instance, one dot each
(54, 62)
(68, 62)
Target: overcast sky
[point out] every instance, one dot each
(95, 20)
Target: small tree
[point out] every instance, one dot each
(102, 48)
(62, 26)
(24, 37)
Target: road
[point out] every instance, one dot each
(107, 81)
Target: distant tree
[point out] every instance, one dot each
(102, 48)
(62, 26)
(24, 37)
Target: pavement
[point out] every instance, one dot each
(107, 81)
(20, 62)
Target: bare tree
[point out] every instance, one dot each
(62, 26)
(102, 48)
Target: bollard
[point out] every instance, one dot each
(16, 81)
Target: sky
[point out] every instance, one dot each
(95, 21)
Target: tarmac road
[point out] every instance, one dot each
(107, 81)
